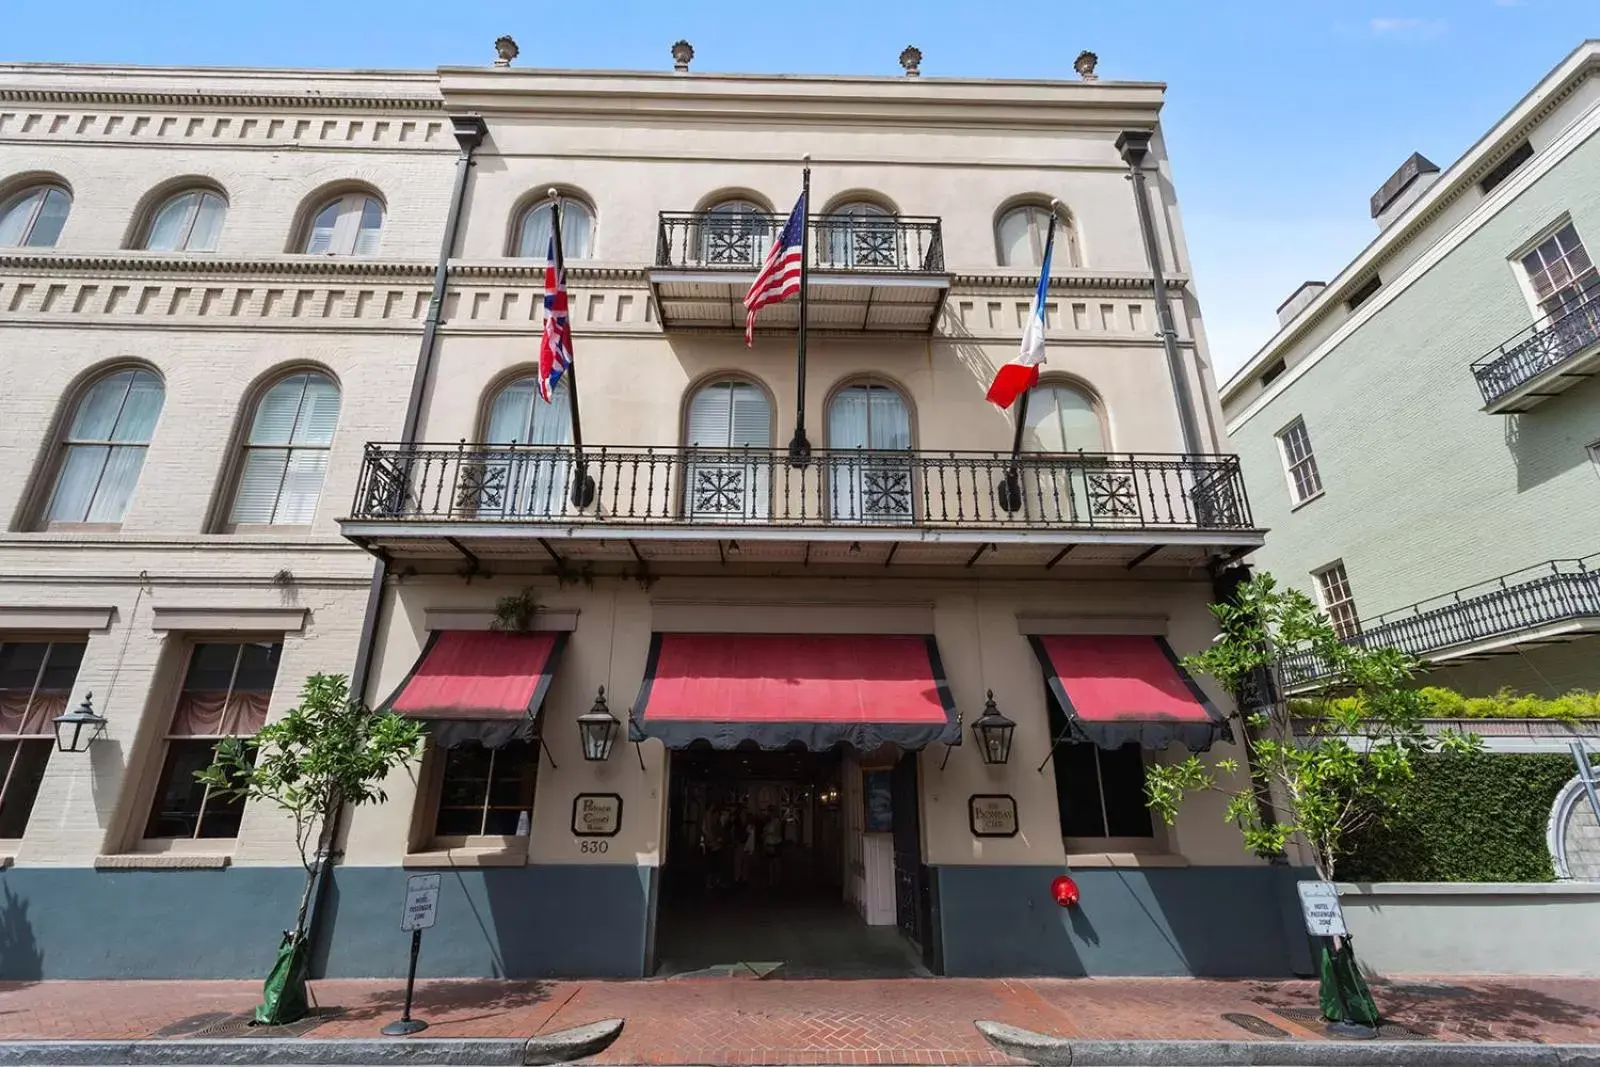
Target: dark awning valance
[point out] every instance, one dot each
(1117, 689)
(479, 685)
(777, 690)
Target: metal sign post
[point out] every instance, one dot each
(420, 912)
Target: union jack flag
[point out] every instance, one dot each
(781, 274)
(555, 344)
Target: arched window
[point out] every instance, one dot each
(577, 231)
(1063, 418)
(1021, 232)
(858, 234)
(735, 233)
(33, 218)
(191, 221)
(348, 225)
(876, 485)
(103, 449)
(534, 477)
(286, 452)
(723, 483)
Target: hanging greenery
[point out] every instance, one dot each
(515, 612)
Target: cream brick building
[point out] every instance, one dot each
(205, 557)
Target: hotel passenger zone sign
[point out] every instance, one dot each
(1320, 903)
(422, 902)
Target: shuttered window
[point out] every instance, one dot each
(577, 229)
(729, 415)
(348, 226)
(1561, 273)
(188, 222)
(286, 454)
(525, 481)
(104, 448)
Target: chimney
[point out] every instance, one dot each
(1404, 188)
(1298, 299)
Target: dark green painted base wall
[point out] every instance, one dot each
(1191, 921)
(512, 922)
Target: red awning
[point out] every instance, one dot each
(479, 685)
(777, 690)
(1117, 689)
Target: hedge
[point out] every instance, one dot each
(1448, 704)
(1477, 817)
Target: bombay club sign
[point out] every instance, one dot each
(992, 815)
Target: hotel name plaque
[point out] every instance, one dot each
(596, 814)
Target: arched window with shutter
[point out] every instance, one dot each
(33, 218)
(286, 452)
(347, 225)
(1062, 418)
(874, 486)
(729, 438)
(188, 221)
(735, 233)
(577, 231)
(531, 476)
(1021, 233)
(102, 451)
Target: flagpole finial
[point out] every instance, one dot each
(1055, 205)
(806, 158)
(553, 193)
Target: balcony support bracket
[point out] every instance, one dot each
(1146, 554)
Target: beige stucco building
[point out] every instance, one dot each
(239, 373)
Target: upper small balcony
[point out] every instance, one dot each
(1546, 604)
(1547, 358)
(868, 273)
(840, 506)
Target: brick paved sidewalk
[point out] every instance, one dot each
(748, 1021)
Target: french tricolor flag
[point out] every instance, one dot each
(1021, 374)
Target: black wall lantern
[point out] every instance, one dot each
(76, 729)
(993, 731)
(597, 728)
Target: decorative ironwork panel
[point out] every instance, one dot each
(1113, 495)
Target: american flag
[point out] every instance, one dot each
(555, 345)
(781, 273)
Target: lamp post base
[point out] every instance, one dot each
(404, 1028)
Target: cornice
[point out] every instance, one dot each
(138, 263)
(264, 101)
(1011, 280)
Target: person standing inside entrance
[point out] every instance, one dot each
(772, 846)
(745, 856)
(714, 843)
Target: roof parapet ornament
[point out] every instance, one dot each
(505, 50)
(1085, 64)
(911, 60)
(682, 55)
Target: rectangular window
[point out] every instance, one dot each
(1502, 170)
(1333, 590)
(1299, 463)
(1099, 793)
(1359, 295)
(36, 679)
(225, 694)
(1273, 372)
(1560, 272)
(487, 792)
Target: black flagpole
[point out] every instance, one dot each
(1011, 491)
(799, 445)
(582, 484)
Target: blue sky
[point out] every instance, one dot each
(1283, 116)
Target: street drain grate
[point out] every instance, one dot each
(243, 1025)
(1255, 1024)
(193, 1024)
(1387, 1031)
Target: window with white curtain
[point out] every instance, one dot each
(723, 483)
(735, 233)
(1063, 419)
(1021, 233)
(33, 218)
(347, 226)
(577, 231)
(877, 485)
(531, 478)
(191, 221)
(858, 234)
(286, 452)
(103, 449)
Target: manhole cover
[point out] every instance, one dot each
(193, 1024)
(1387, 1031)
(1255, 1024)
(242, 1025)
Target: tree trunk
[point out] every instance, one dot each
(319, 857)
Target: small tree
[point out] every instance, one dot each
(327, 752)
(1319, 777)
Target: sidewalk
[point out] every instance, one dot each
(751, 1021)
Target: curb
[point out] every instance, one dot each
(559, 1047)
(1047, 1051)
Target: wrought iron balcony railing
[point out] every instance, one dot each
(1544, 346)
(541, 484)
(1560, 591)
(877, 244)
